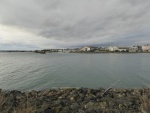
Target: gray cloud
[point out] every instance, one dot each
(80, 22)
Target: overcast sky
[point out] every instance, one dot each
(39, 24)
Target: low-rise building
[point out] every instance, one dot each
(87, 48)
(60, 50)
(123, 49)
(112, 48)
(118, 49)
(145, 48)
(133, 49)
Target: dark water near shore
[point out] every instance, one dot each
(27, 71)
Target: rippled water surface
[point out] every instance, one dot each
(27, 71)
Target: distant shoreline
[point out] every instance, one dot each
(16, 51)
(79, 52)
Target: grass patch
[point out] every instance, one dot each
(1, 99)
(24, 110)
(145, 101)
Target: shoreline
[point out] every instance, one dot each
(74, 100)
(74, 52)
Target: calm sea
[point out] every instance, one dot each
(27, 71)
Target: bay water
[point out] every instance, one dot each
(33, 71)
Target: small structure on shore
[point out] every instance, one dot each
(133, 49)
(145, 48)
(122, 49)
(112, 48)
(88, 48)
(118, 49)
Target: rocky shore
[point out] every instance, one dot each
(73, 100)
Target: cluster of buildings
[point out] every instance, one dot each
(109, 49)
(145, 48)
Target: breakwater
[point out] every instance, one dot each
(73, 100)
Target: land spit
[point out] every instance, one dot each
(76, 100)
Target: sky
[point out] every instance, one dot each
(46, 24)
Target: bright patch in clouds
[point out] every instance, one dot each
(14, 36)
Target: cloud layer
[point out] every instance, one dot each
(31, 24)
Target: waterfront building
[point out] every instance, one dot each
(123, 49)
(60, 50)
(112, 48)
(145, 48)
(87, 48)
(133, 49)
(118, 49)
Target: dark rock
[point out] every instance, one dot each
(66, 109)
(89, 105)
(57, 102)
(48, 110)
(57, 109)
(82, 100)
(81, 111)
(75, 106)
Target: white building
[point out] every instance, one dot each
(118, 49)
(123, 49)
(145, 48)
(87, 48)
(112, 48)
